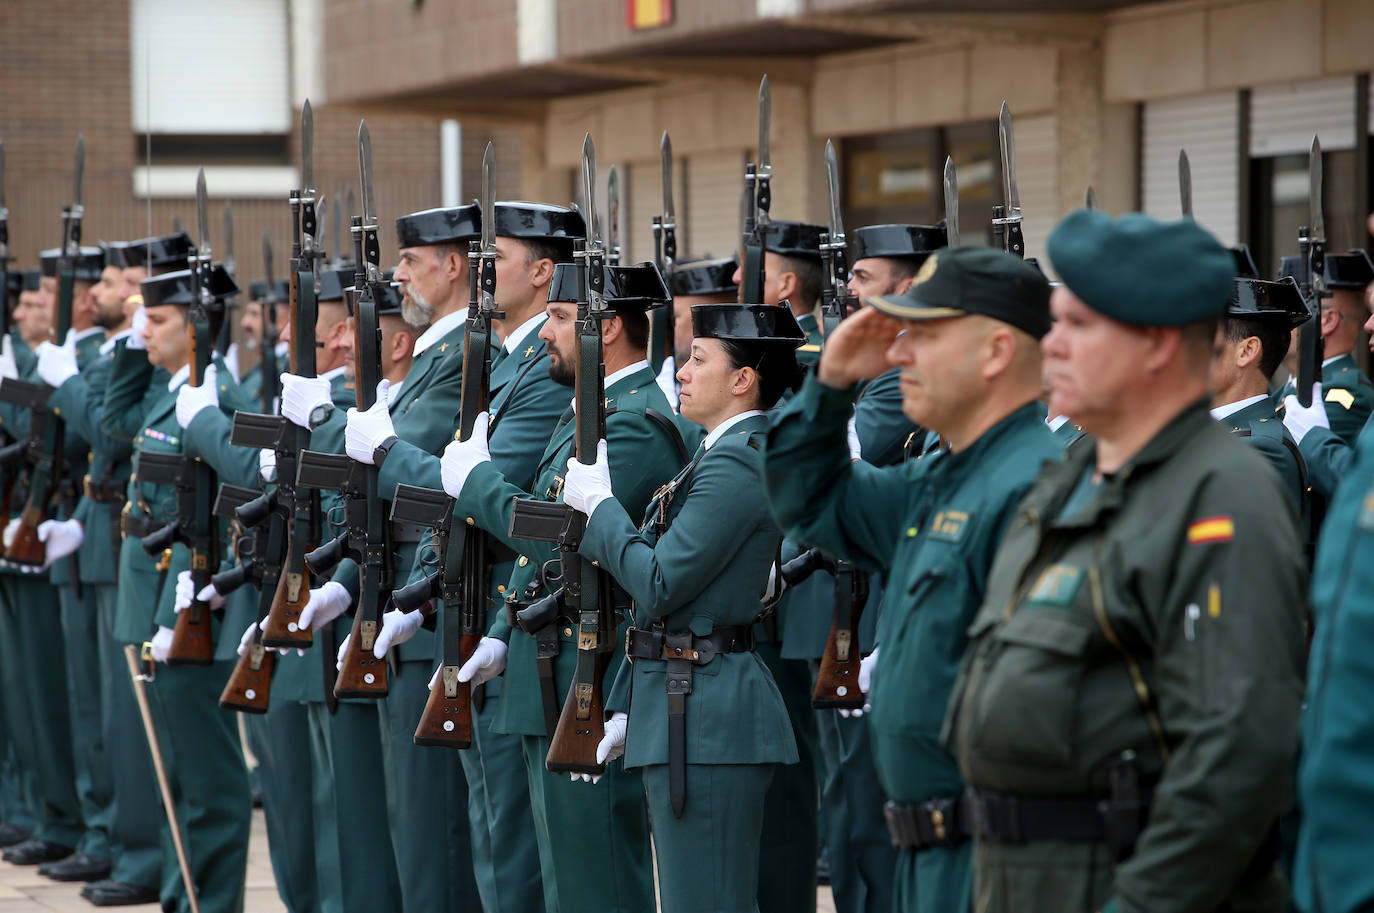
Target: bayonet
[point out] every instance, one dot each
(613, 218)
(951, 203)
(1314, 189)
(78, 210)
(309, 225)
(1312, 266)
(1185, 184)
(371, 251)
(764, 198)
(594, 249)
(487, 273)
(665, 160)
(665, 254)
(1006, 221)
(832, 180)
(202, 215)
(835, 298)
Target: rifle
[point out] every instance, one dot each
(366, 538)
(464, 578)
(249, 687)
(1006, 216)
(758, 197)
(1312, 280)
(581, 723)
(45, 450)
(665, 255)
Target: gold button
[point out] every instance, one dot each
(523, 561)
(56, 411)
(911, 532)
(470, 522)
(567, 632)
(501, 588)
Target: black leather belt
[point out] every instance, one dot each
(1004, 818)
(137, 525)
(104, 492)
(935, 822)
(646, 644)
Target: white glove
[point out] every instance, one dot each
(1300, 419)
(866, 666)
(162, 644)
(246, 640)
(305, 401)
(343, 648)
(136, 324)
(211, 596)
(462, 457)
(368, 429)
(267, 464)
(11, 529)
(185, 592)
(325, 604)
(584, 487)
(485, 663)
(190, 400)
(8, 366)
(57, 364)
(611, 746)
(62, 537)
(397, 628)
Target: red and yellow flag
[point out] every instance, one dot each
(1211, 529)
(648, 14)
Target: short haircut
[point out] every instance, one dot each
(810, 279)
(902, 268)
(636, 324)
(556, 249)
(775, 365)
(1274, 339)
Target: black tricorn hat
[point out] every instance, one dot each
(166, 251)
(755, 323)
(388, 295)
(519, 219)
(177, 287)
(332, 284)
(22, 281)
(1245, 262)
(1269, 300)
(1350, 270)
(257, 289)
(443, 225)
(639, 287)
(87, 266)
(912, 242)
(705, 277)
(794, 239)
(114, 252)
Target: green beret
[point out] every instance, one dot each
(957, 281)
(1141, 271)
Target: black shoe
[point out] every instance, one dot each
(32, 852)
(117, 894)
(76, 867)
(10, 834)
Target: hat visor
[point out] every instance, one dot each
(903, 307)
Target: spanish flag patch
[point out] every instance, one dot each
(1211, 529)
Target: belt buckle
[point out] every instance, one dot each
(629, 637)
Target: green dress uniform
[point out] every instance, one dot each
(934, 523)
(1334, 776)
(1347, 394)
(607, 866)
(525, 406)
(33, 663)
(1263, 430)
(199, 741)
(699, 563)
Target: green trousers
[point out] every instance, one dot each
(15, 792)
(593, 838)
(34, 679)
(708, 860)
(427, 802)
(280, 738)
(861, 855)
(505, 854)
(355, 867)
(137, 820)
(94, 790)
(200, 745)
(935, 880)
(791, 823)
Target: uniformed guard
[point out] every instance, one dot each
(1254, 335)
(1124, 714)
(200, 742)
(964, 339)
(792, 274)
(593, 842)
(694, 282)
(708, 732)
(250, 323)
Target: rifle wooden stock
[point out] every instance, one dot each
(362, 675)
(192, 644)
(249, 688)
(26, 548)
(447, 719)
(837, 684)
(283, 628)
(581, 726)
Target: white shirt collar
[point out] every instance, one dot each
(108, 345)
(1327, 361)
(719, 431)
(89, 331)
(1056, 422)
(183, 374)
(333, 372)
(1220, 412)
(439, 329)
(518, 335)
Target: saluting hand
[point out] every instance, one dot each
(857, 349)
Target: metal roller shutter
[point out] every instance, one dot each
(215, 67)
(1208, 127)
(1037, 178)
(715, 182)
(1284, 118)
